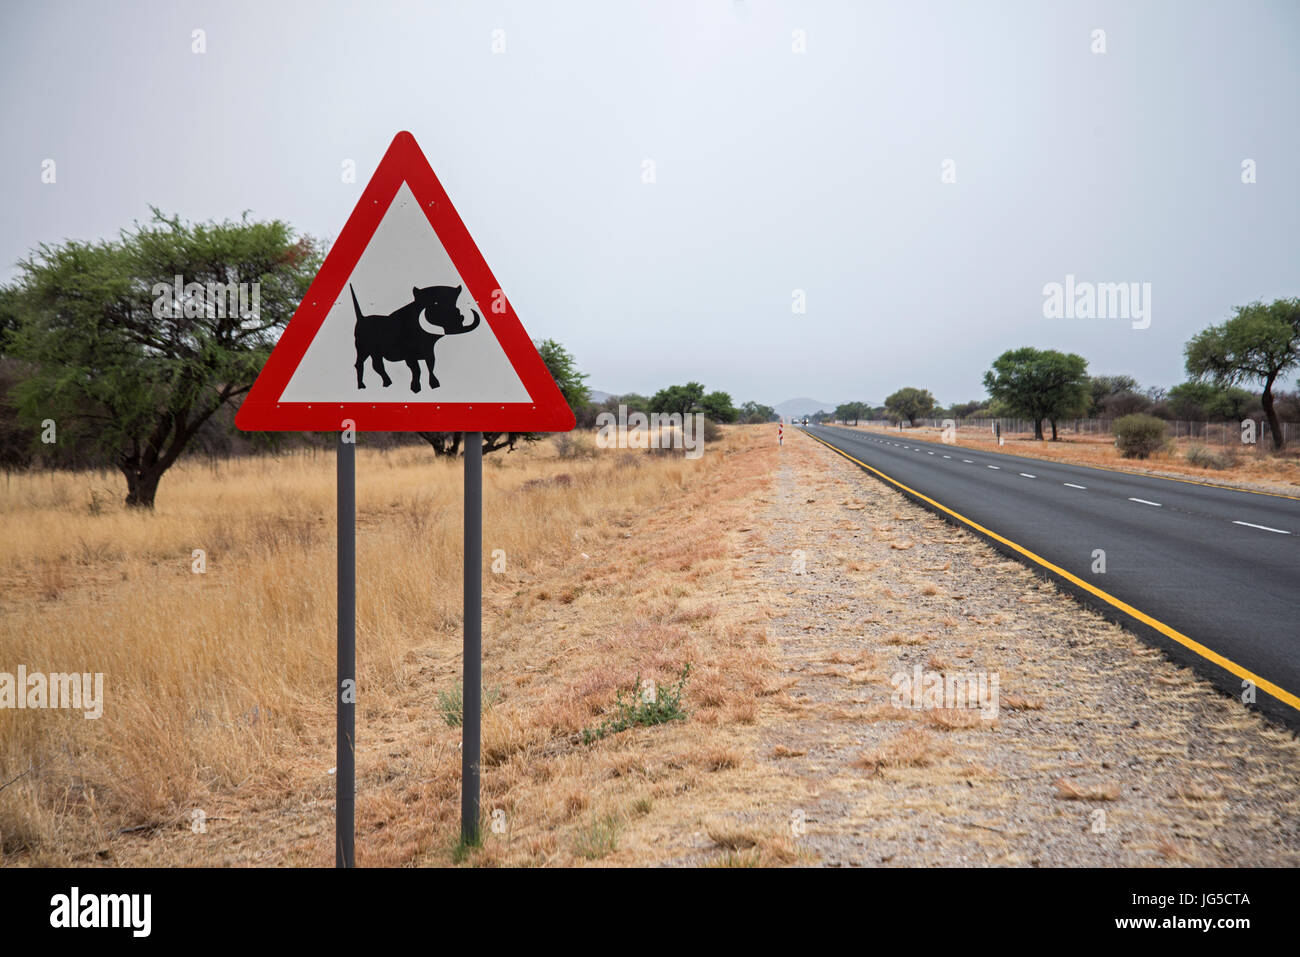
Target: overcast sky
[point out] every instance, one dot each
(774, 170)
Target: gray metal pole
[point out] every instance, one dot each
(345, 778)
(472, 684)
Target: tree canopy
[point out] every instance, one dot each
(1103, 389)
(717, 406)
(680, 399)
(1039, 384)
(852, 412)
(911, 404)
(134, 343)
(753, 413)
(1205, 401)
(1259, 343)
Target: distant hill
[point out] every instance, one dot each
(791, 408)
(597, 396)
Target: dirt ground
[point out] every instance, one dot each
(1102, 753)
(796, 587)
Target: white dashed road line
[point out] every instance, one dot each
(996, 467)
(1265, 528)
(1072, 485)
(1145, 502)
(1027, 475)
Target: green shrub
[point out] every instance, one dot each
(631, 708)
(599, 838)
(1204, 458)
(451, 704)
(1138, 436)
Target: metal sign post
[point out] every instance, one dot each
(345, 778)
(472, 683)
(422, 278)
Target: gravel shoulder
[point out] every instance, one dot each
(1102, 753)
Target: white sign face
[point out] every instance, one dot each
(413, 324)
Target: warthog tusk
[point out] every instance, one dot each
(430, 328)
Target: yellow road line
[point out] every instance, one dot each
(1207, 653)
(1109, 468)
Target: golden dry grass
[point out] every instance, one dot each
(218, 685)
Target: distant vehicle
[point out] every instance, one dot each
(805, 420)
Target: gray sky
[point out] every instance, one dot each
(775, 171)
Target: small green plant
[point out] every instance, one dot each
(451, 704)
(464, 847)
(746, 858)
(599, 838)
(633, 707)
(1138, 436)
(1204, 458)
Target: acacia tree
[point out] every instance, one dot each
(911, 404)
(1039, 384)
(1204, 401)
(717, 406)
(126, 363)
(1259, 343)
(850, 412)
(754, 412)
(680, 399)
(1101, 388)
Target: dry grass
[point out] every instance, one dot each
(781, 751)
(1074, 791)
(912, 748)
(217, 685)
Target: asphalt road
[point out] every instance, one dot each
(1217, 566)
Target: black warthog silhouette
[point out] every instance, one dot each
(409, 334)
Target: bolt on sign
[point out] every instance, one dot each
(405, 329)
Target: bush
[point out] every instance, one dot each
(1204, 458)
(569, 445)
(1138, 436)
(599, 839)
(451, 704)
(631, 709)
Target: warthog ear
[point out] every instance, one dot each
(415, 292)
(458, 289)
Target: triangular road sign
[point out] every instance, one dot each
(405, 328)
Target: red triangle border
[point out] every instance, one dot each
(261, 409)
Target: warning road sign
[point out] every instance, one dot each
(405, 328)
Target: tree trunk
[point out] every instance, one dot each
(1270, 413)
(443, 443)
(1038, 430)
(1053, 421)
(141, 486)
